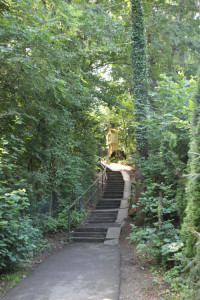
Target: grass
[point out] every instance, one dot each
(10, 279)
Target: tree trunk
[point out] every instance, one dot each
(140, 88)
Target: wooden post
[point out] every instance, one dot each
(160, 207)
(69, 222)
(91, 193)
(80, 204)
(98, 187)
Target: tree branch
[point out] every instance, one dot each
(116, 4)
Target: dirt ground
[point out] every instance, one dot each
(137, 282)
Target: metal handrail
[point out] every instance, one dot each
(79, 201)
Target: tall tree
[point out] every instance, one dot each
(140, 84)
(192, 219)
(140, 87)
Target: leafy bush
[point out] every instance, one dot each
(53, 225)
(160, 238)
(162, 244)
(18, 238)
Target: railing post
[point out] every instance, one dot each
(69, 221)
(91, 193)
(98, 187)
(80, 204)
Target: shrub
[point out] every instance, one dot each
(18, 237)
(54, 225)
(162, 244)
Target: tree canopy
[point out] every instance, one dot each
(70, 68)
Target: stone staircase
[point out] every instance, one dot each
(105, 215)
(89, 234)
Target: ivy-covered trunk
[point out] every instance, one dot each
(192, 220)
(140, 84)
(140, 88)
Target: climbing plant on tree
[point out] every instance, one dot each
(140, 90)
(191, 221)
(140, 84)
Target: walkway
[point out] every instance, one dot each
(81, 270)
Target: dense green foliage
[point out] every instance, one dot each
(170, 194)
(70, 68)
(18, 236)
(168, 138)
(50, 91)
(172, 37)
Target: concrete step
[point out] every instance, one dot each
(115, 176)
(110, 190)
(101, 225)
(103, 203)
(89, 234)
(102, 219)
(109, 201)
(109, 198)
(113, 192)
(113, 210)
(115, 187)
(112, 195)
(91, 229)
(111, 183)
(109, 205)
(115, 184)
(89, 239)
(114, 206)
(101, 214)
(114, 179)
(93, 221)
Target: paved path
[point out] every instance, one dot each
(80, 271)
